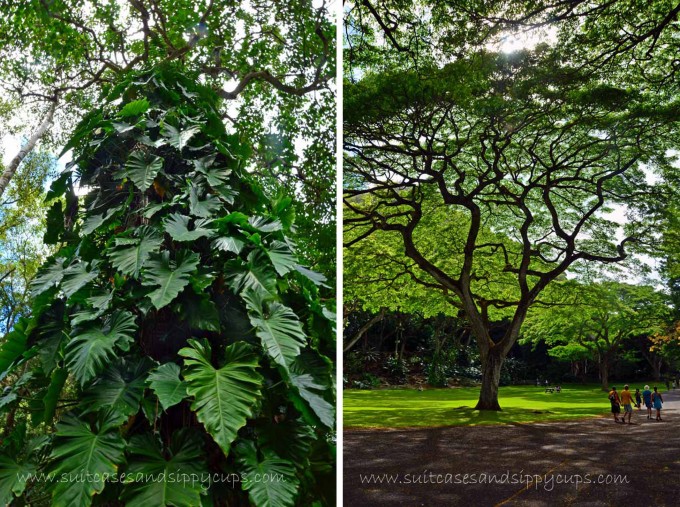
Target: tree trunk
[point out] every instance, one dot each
(604, 374)
(26, 149)
(403, 349)
(491, 376)
(374, 320)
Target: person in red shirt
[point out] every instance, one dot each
(616, 403)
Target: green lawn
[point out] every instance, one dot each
(398, 408)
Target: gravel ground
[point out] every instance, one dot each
(428, 467)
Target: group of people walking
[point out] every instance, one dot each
(651, 399)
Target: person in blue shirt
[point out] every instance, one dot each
(647, 398)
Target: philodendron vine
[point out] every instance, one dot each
(174, 334)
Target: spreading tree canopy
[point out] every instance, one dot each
(531, 146)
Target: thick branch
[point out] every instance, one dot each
(27, 148)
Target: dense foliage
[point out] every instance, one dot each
(273, 63)
(173, 332)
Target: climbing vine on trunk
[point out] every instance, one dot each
(174, 334)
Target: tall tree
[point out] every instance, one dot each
(534, 149)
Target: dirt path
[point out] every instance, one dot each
(436, 460)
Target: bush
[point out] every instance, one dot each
(396, 369)
(368, 381)
(514, 371)
(437, 374)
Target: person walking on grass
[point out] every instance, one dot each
(647, 398)
(616, 403)
(638, 399)
(658, 403)
(627, 402)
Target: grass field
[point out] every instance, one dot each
(398, 408)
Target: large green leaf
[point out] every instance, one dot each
(11, 393)
(229, 244)
(59, 186)
(94, 221)
(135, 108)
(290, 439)
(167, 385)
(205, 207)
(316, 278)
(54, 227)
(80, 450)
(7, 398)
(90, 350)
(99, 301)
(255, 275)
(265, 224)
(77, 275)
(51, 337)
(311, 376)
(178, 227)
(13, 478)
(216, 176)
(199, 311)
(183, 458)
(142, 168)
(118, 390)
(128, 255)
(170, 277)
(178, 139)
(280, 488)
(282, 257)
(13, 346)
(278, 327)
(49, 276)
(224, 398)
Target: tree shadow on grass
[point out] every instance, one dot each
(455, 407)
(461, 416)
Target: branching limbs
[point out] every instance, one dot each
(525, 199)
